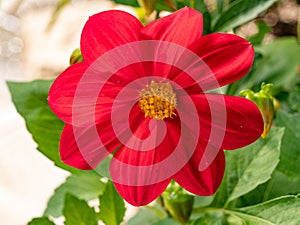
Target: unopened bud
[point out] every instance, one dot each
(266, 103)
(76, 56)
(178, 203)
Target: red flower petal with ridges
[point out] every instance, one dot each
(182, 27)
(62, 91)
(107, 30)
(221, 58)
(135, 157)
(90, 153)
(244, 123)
(228, 56)
(204, 182)
(141, 195)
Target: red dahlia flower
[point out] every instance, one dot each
(141, 91)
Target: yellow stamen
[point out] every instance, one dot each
(158, 101)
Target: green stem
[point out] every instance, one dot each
(207, 209)
(232, 212)
(193, 4)
(226, 204)
(232, 88)
(268, 190)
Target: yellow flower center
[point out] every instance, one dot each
(158, 100)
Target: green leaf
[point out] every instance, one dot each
(166, 221)
(215, 217)
(162, 5)
(202, 201)
(207, 17)
(242, 174)
(223, 5)
(290, 152)
(103, 167)
(77, 212)
(279, 185)
(144, 216)
(220, 5)
(40, 221)
(266, 159)
(85, 185)
(112, 206)
(281, 211)
(240, 12)
(293, 100)
(30, 99)
(132, 3)
(278, 65)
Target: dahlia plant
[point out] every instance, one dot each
(148, 112)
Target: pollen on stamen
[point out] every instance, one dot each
(158, 100)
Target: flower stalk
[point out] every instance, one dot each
(178, 203)
(193, 4)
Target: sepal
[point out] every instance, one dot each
(266, 103)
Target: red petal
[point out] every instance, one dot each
(204, 182)
(141, 195)
(74, 96)
(244, 123)
(86, 147)
(151, 142)
(82, 148)
(182, 27)
(121, 170)
(130, 166)
(141, 165)
(235, 120)
(228, 56)
(62, 91)
(107, 30)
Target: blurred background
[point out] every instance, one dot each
(36, 42)
(32, 48)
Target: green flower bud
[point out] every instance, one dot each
(76, 56)
(178, 203)
(266, 103)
